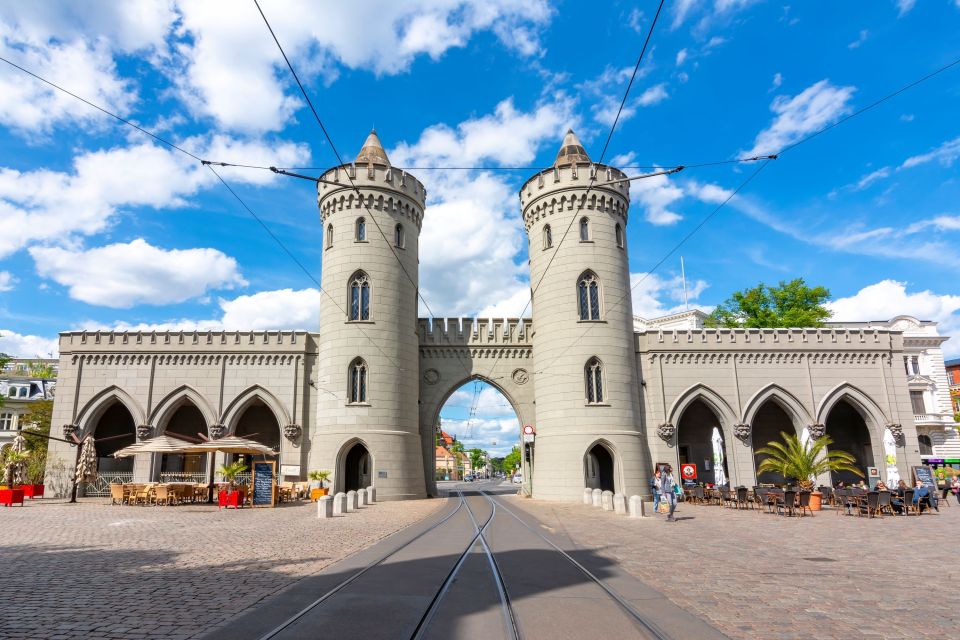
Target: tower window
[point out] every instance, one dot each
(619, 234)
(584, 230)
(360, 296)
(547, 237)
(361, 230)
(329, 236)
(358, 381)
(398, 236)
(588, 296)
(594, 378)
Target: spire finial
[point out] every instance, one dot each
(571, 150)
(372, 150)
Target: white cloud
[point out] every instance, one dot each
(123, 275)
(940, 223)
(889, 298)
(656, 195)
(635, 20)
(482, 432)
(19, 345)
(681, 11)
(51, 206)
(655, 296)
(871, 178)
(906, 117)
(681, 57)
(655, 94)
(946, 154)
(777, 81)
(6, 281)
(864, 34)
(904, 7)
(816, 106)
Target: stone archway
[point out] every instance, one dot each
(848, 429)
(600, 468)
(769, 421)
(116, 423)
(354, 467)
(187, 422)
(695, 442)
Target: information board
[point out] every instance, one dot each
(925, 475)
(688, 471)
(263, 483)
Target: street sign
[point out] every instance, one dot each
(688, 471)
(528, 437)
(529, 430)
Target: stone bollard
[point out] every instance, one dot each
(362, 497)
(340, 504)
(352, 501)
(325, 507)
(635, 507)
(588, 496)
(620, 504)
(606, 500)
(371, 495)
(597, 497)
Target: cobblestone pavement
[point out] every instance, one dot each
(92, 570)
(758, 575)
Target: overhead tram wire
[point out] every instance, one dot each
(209, 164)
(593, 177)
(336, 153)
(753, 175)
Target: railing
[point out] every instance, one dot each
(178, 476)
(100, 488)
(933, 418)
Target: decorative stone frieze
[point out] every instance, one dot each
(666, 431)
(520, 376)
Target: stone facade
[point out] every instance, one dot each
(608, 393)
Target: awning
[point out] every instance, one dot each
(159, 444)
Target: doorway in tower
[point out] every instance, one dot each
(848, 430)
(477, 433)
(701, 441)
(357, 466)
(598, 469)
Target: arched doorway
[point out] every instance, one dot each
(598, 469)
(115, 423)
(187, 422)
(356, 468)
(926, 444)
(770, 421)
(701, 441)
(258, 423)
(848, 429)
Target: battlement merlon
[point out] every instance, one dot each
(746, 340)
(379, 184)
(475, 331)
(188, 341)
(566, 187)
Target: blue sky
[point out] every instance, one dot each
(105, 228)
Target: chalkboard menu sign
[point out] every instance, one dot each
(263, 481)
(925, 475)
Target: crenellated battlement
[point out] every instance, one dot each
(382, 188)
(81, 341)
(770, 338)
(557, 189)
(475, 331)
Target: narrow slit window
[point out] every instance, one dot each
(584, 230)
(329, 236)
(360, 297)
(588, 296)
(358, 381)
(547, 237)
(619, 234)
(361, 230)
(594, 379)
(398, 236)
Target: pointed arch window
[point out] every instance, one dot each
(619, 234)
(547, 237)
(329, 236)
(360, 296)
(593, 372)
(588, 296)
(398, 236)
(584, 230)
(357, 383)
(361, 230)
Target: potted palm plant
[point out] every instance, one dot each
(319, 477)
(804, 461)
(12, 462)
(233, 497)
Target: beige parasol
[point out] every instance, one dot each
(87, 466)
(231, 444)
(160, 444)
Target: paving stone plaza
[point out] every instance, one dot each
(147, 572)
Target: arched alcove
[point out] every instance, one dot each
(356, 471)
(696, 443)
(769, 422)
(186, 422)
(115, 423)
(599, 468)
(848, 429)
(257, 422)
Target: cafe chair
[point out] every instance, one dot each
(872, 505)
(884, 504)
(788, 502)
(804, 503)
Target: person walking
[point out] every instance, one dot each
(655, 489)
(668, 488)
(955, 487)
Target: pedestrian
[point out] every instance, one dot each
(655, 488)
(667, 489)
(955, 487)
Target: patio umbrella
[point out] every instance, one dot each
(19, 445)
(228, 444)
(718, 476)
(87, 466)
(159, 444)
(890, 451)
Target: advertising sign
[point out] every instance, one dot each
(263, 484)
(688, 471)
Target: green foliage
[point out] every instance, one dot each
(790, 304)
(37, 369)
(232, 470)
(456, 447)
(10, 461)
(800, 461)
(476, 458)
(319, 476)
(511, 460)
(496, 464)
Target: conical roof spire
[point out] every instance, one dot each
(571, 151)
(372, 150)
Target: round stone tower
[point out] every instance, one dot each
(589, 429)
(367, 374)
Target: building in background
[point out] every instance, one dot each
(953, 379)
(23, 382)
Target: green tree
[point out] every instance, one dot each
(36, 426)
(496, 464)
(802, 461)
(456, 447)
(512, 460)
(790, 304)
(476, 458)
(37, 369)
(4, 360)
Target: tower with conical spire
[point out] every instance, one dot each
(589, 430)
(367, 373)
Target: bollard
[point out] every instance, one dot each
(340, 504)
(636, 507)
(371, 495)
(596, 497)
(361, 497)
(325, 507)
(588, 496)
(352, 503)
(620, 504)
(606, 500)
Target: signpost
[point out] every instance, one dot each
(264, 483)
(688, 472)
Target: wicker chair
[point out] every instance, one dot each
(788, 502)
(804, 503)
(884, 504)
(698, 495)
(908, 504)
(117, 494)
(743, 498)
(872, 506)
(165, 494)
(827, 494)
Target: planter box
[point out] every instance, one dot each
(816, 501)
(226, 499)
(316, 494)
(32, 491)
(10, 497)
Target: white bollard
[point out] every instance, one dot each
(636, 507)
(352, 501)
(606, 500)
(325, 507)
(588, 496)
(597, 497)
(340, 504)
(371, 495)
(362, 497)
(620, 503)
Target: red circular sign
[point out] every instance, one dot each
(688, 471)
(529, 430)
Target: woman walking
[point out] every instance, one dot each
(667, 489)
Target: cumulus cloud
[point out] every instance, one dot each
(653, 95)
(493, 419)
(607, 91)
(813, 108)
(946, 154)
(681, 57)
(122, 275)
(6, 281)
(655, 295)
(657, 195)
(19, 345)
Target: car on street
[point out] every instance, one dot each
(468, 478)
(518, 478)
